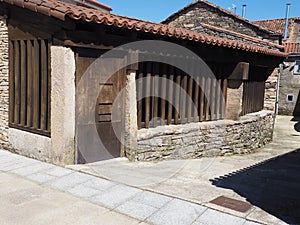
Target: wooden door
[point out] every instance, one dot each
(89, 149)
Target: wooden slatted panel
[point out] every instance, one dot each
(155, 90)
(30, 86)
(183, 98)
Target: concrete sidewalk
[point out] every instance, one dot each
(33, 192)
(119, 192)
(251, 178)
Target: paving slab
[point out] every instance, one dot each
(213, 217)
(177, 212)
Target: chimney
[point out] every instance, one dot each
(286, 27)
(244, 10)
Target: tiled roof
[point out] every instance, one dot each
(61, 10)
(292, 48)
(276, 25)
(194, 3)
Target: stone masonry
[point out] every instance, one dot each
(206, 139)
(4, 101)
(203, 14)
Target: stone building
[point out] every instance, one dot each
(205, 17)
(50, 51)
(289, 88)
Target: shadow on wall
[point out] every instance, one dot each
(273, 185)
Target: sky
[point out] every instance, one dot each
(158, 10)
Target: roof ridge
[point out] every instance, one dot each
(222, 10)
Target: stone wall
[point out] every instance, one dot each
(201, 13)
(271, 91)
(215, 138)
(289, 85)
(4, 101)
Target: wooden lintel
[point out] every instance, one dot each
(82, 45)
(240, 72)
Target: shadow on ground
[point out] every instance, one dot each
(273, 185)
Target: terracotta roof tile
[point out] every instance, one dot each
(276, 25)
(61, 10)
(292, 48)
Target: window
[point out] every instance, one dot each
(297, 67)
(29, 85)
(290, 98)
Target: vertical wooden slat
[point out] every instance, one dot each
(155, 89)
(224, 98)
(29, 83)
(44, 86)
(139, 96)
(49, 89)
(207, 92)
(196, 98)
(218, 98)
(183, 98)
(163, 93)
(36, 81)
(17, 82)
(148, 92)
(202, 98)
(213, 98)
(11, 82)
(170, 95)
(190, 104)
(177, 96)
(23, 82)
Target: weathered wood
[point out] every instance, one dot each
(163, 93)
(44, 85)
(170, 94)
(11, 81)
(36, 85)
(196, 99)
(17, 79)
(224, 98)
(208, 103)
(177, 97)
(155, 90)
(190, 99)
(140, 95)
(183, 98)
(218, 99)
(29, 82)
(148, 93)
(23, 82)
(202, 99)
(213, 98)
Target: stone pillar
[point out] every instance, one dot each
(234, 105)
(131, 128)
(62, 105)
(235, 89)
(4, 87)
